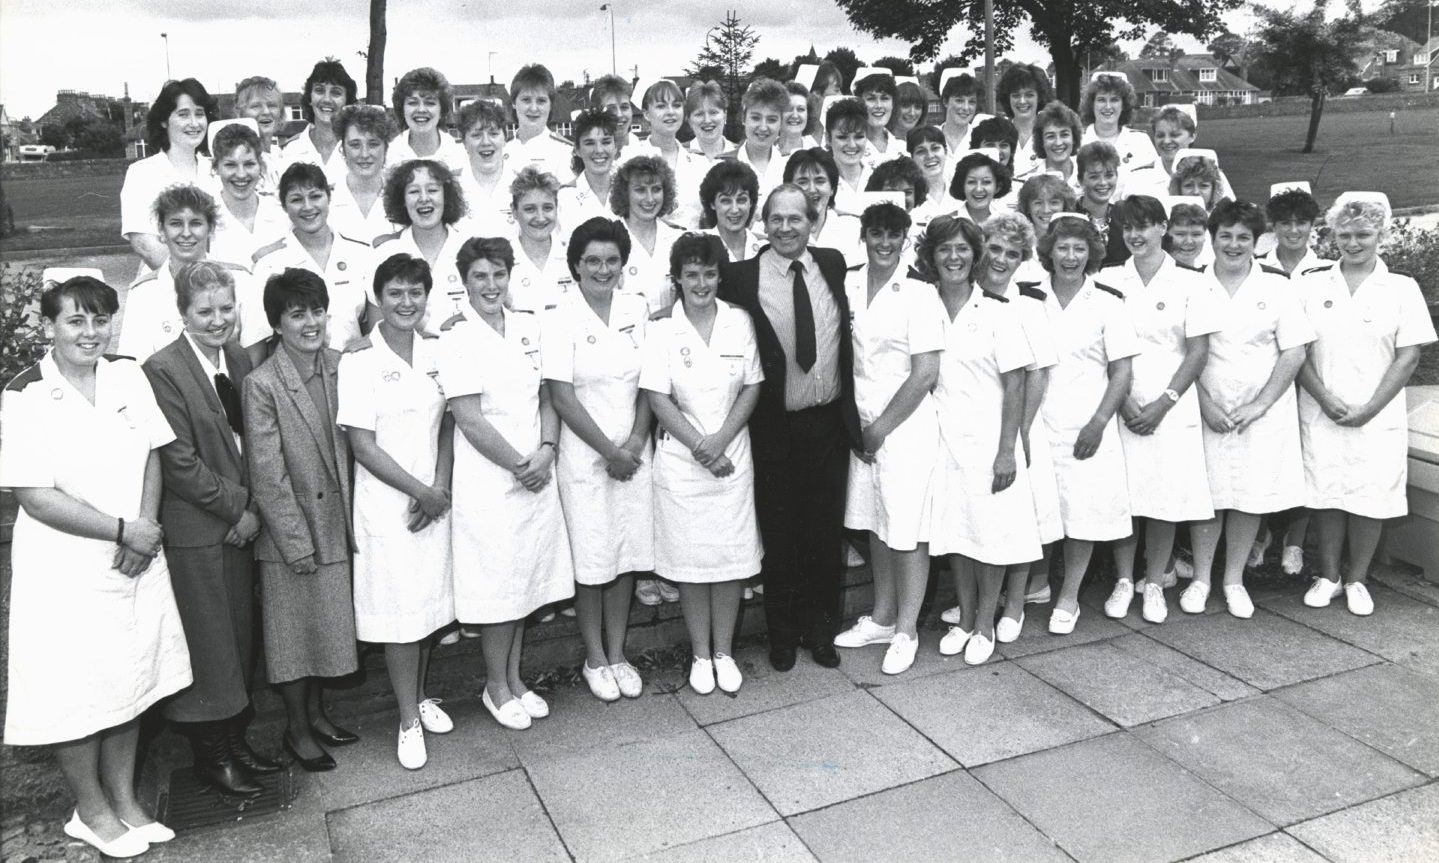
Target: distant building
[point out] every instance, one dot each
(1197, 78)
(1390, 55)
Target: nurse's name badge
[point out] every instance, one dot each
(590, 339)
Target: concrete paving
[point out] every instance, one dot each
(1300, 735)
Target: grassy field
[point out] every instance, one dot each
(64, 213)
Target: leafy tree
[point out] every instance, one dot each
(1068, 29)
(847, 62)
(375, 56)
(897, 65)
(1309, 55)
(771, 68)
(953, 61)
(728, 47)
(1159, 45)
(1099, 55)
(1409, 18)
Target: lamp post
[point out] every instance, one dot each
(610, 8)
(166, 37)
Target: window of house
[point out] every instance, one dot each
(1413, 77)
(1208, 74)
(294, 112)
(1205, 97)
(1391, 55)
(1158, 74)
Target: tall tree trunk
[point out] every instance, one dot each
(1316, 110)
(375, 58)
(1066, 72)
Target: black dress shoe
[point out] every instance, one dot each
(246, 757)
(311, 765)
(341, 737)
(825, 655)
(782, 656)
(215, 767)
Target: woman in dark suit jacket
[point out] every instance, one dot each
(300, 477)
(210, 521)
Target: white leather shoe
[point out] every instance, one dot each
(1237, 598)
(410, 748)
(865, 631)
(953, 641)
(535, 706)
(511, 714)
(1358, 598)
(1117, 605)
(154, 832)
(727, 673)
(1155, 610)
(1322, 592)
(131, 844)
(1192, 600)
(978, 650)
(628, 680)
(601, 681)
(433, 719)
(1062, 622)
(1008, 629)
(702, 676)
(900, 655)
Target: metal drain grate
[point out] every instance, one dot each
(189, 804)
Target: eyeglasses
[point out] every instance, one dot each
(595, 262)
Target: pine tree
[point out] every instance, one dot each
(729, 47)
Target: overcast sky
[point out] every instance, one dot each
(100, 45)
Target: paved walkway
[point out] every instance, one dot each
(1301, 735)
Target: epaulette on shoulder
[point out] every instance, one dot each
(113, 357)
(1191, 268)
(1033, 291)
(1321, 268)
(385, 238)
(24, 379)
(427, 335)
(522, 311)
(854, 268)
(230, 265)
(675, 225)
(450, 324)
(1107, 289)
(1278, 271)
(362, 343)
(996, 297)
(556, 136)
(353, 240)
(148, 277)
(266, 249)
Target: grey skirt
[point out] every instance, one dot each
(309, 622)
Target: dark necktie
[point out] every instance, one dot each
(230, 401)
(804, 349)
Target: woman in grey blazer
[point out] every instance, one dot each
(210, 522)
(300, 477)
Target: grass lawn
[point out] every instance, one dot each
(64, 213)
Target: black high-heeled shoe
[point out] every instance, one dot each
(324, 761)
(341, 737)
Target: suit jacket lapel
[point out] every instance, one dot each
(308, 410)
(212, 400)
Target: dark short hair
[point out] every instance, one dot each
(767, 92)
(940, 231)
(1044, 185)
(403, 175)
(729, 176)
(827, 72)
(367, 118)
(481, 112)
(884, 216)
(1227, 213)
(1141, 211)
(197, 276)
(973, 162)
(813, 157)
(610, 85)
(303, 175)
(962, 84)
(406, 269)
(532, 77)
(596, 229)
(1060, 116)
(923, 134)
(1096, 153)
(1107, 84)
(295, 288)
(699, 93)
(707, 250)
(173, 199)
(589, 120)
(496, 250)
(910, 93)
(1082, 229)
(88, 293)
(641, 166)
(789, 188)
(661, 86)
(1292, 204)
(1187, 215)
(327, 71)
(847, 113)
(900, 169)
(1021, 76)
(157, 119)
(532, 179)
(236, 135)
(876, 82)
(423, 80)
(994, 129)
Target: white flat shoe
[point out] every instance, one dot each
(978, 650)
(951, 616)
(953, 641)
(865, 631)
(433, 719)
(131, 844)
(727, 673)
(601, 681)
(1155, 609)
(155, 833)
(1358, 598)
(1192, 600)
(1062, 622)
(702, 676)
(1008, 629)
(410, 747)
(534, 705)
(1117, 605)
(1322, 592)
(900, 655)
(1237, 598)
(511, 714)
(628, 680)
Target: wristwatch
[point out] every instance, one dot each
(1172, 395)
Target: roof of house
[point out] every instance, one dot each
(1183, 75)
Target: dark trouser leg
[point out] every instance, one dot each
(775, 508)
(821, 474)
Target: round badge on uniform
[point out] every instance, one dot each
(689, 362)
(1263, 305)
(392, 376)
(57, 394)
(524, 340)
(1159, 305)
(525, 281)
(685, 351)
(894, 287)
(591, 339)
(634, 271)
(167, 327)
(1328, 304)
(341, 266)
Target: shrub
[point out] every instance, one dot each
(22, 341)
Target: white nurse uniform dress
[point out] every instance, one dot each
(535, 287)
(890, 497)
(1361, 470)
(1261, 470)
(403, 585)
(983, 341)
(648, 273)
(1090, 333)
(234, 243)
(511, 549)
(133, 651)
(448, 296)
(349, 275)
(1029, 303)
(705, 526)
(610, 522)
(1167, 479)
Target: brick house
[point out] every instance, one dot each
(1197, 78)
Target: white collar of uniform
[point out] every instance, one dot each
(722, 317)
(210, 368)
(50, 373)
(780, 264)
(1336, 272)
(742, 154)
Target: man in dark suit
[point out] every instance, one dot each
(804, 426)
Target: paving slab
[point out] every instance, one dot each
(654, 794)
(821, 752)
(1034, 637)
(1274, 848)
(1211, 680)
(1278, 761)
(948, 817)
(994, 711)
(1266, 651)
(579, 722)
(369, 771)
(296, 836)
(495, 818)
(764, 688)
(769, 843)
(1087, 796)
(1386, 706)
(1117, 684)
(1403, 828)
(1401, 629)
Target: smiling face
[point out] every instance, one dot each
(930, 156)
(535, 214)
(1185, 243)
(815, 183)
(1170, 138)
(187, 235)
(486, 147)
(1107, 108)
(796, 117)
(880, 107)
(665, 111)
(265, 107)
(422, 111)
(1144, 241)
(953, 261)
(788, 225)
(699, 283)
(647, 197)
(733, 210)
(1058, 144)
(904, 187)
(960, 108)
(883, 248)
(186, 125)
(761, 125)
(707, 122)
(1002, 258)
(1197, 186)
(910, 115)
(1357, 241)
(532, 111)
(308, 209)
(620, 107)
(326, 100)
(239, 172)
(1070, 256)
(1042, 209)
(1024, 102)
(210, 318)
(596, 149)
(1098, 182)
(848, 147)
(425, 200)
(402, 304)
(979, 187)
(302, 330)
(488, 285)
(79, 336)
(364, 152)
(1233, 247)
(1293, 234)
(602, 269)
